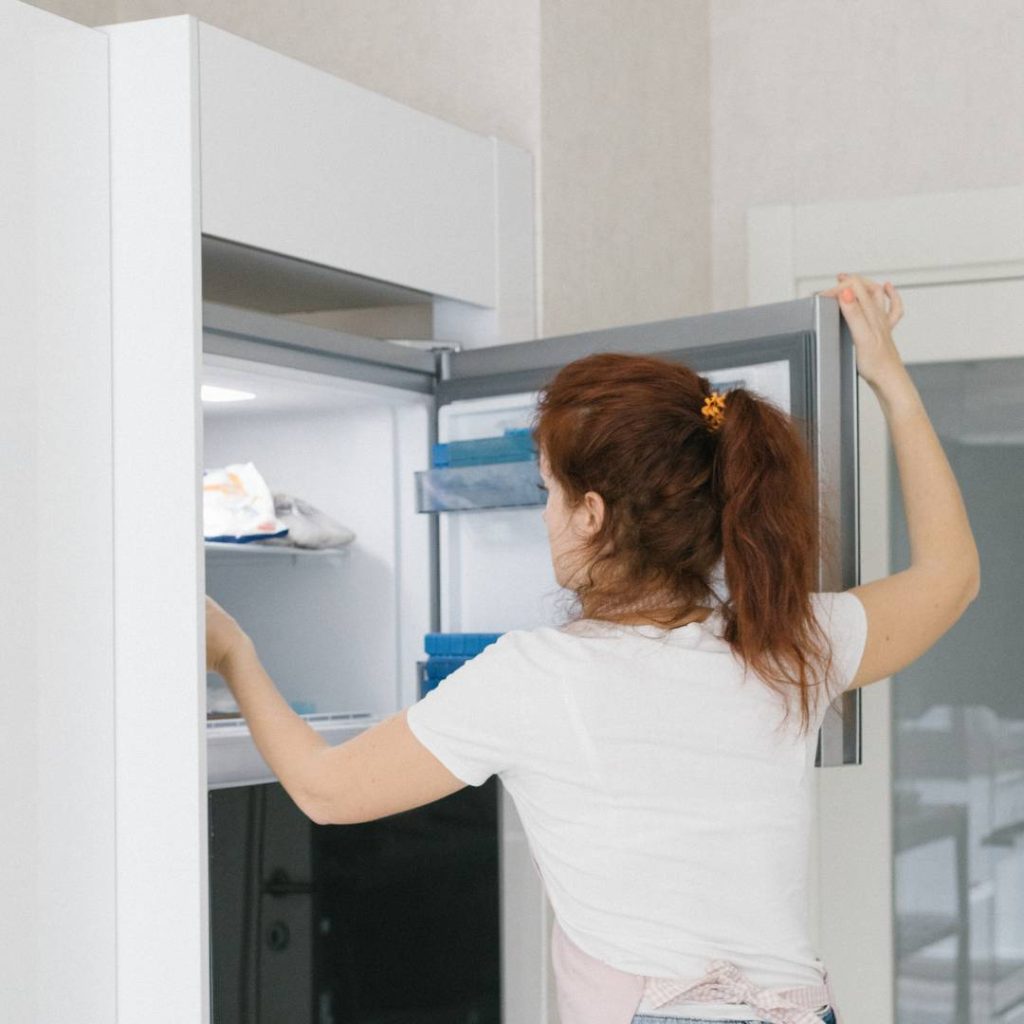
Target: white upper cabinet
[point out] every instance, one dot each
(298, 162)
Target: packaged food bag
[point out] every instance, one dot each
(238, 506)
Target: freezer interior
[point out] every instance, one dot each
(496, 572)
(338, 630)
(341, 630)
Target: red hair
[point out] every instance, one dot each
(680, 498)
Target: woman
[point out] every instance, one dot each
(660, 747)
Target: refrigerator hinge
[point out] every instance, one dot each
(442, 371)
(442, 352)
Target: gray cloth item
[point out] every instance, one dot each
(308, 527)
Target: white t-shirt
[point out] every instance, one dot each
(668, 813)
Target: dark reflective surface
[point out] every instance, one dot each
(389, 922)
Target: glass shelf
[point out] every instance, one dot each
(256, 549)
(469, 488)
(319, 719)
(233, 760)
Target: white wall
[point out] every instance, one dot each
(814, 101)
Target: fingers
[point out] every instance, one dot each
(896, 312)
(853, 286)
(863, 292)
(875, 289)
(853, 311)
(871, 294)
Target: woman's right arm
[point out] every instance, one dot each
(909, 611)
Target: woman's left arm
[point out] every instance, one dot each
(379, 772)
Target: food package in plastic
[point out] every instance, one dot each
(238, 506)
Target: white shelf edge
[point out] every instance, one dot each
(233, 760)
(259, 550)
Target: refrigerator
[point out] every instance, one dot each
(134, 814)
(436, 914)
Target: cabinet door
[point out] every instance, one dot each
(799, 353)
(57, 854)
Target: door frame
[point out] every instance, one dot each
(927, 239)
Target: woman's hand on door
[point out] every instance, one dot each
(871, 310)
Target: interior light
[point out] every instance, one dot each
(209, 393)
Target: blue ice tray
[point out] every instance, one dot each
(512, 446)
(436, 668)
(440, 665)
(460, 645)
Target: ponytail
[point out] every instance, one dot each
(688, 486)
(770, 545)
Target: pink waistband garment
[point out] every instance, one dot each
(593, 992)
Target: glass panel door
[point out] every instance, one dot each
(958, 730)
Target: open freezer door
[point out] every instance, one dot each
(798, 353)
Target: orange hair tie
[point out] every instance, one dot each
(714, 410)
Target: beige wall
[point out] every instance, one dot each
(625, 181)
(817, 101)
(87, 12)
(611, 98)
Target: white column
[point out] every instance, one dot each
(57, 864)
(162, 904)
